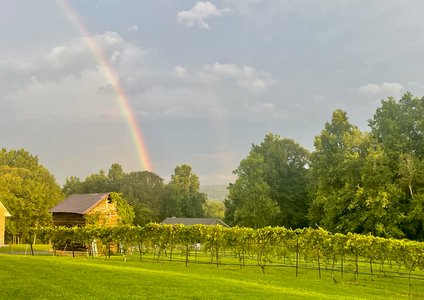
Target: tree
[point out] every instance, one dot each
(398, 126)
(273, 177)
(115, 175)
(73, 185)
(351, 182)
(184, 192)
(335, 166)
(28, 191)
(144, 190)
(214, 209)
(249, 198)
(98, 183)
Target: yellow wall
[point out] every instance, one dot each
(3, 214)
(2, 226)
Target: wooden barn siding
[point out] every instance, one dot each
(108, 213)
(108, 216)
(68, 219)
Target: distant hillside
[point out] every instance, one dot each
(215, 192)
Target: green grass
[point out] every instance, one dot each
(25, 248)
(47, 277)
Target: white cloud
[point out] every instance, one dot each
(199, 13)
(108, 39)
(245, 76)
(384, 89)
(133, 28)
(181, 72)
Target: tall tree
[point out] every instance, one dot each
(249, 202)
(28, 190)
(185, 191)
(335, 171)
(145, 191)
(351, 186)
(214, 209)
(115, 175)
(274, 176)
(398, 126)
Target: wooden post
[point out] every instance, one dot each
(140, 249)
(186, 256)
(297, 256)
(319, 265)
(356, 267)
(341, 261)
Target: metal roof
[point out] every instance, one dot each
(194, 221)
(6, 213)
(78, 203)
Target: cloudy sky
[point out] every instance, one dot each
(205, 80)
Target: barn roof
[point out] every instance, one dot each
(194, 221)
(78, 203)
(6, 213)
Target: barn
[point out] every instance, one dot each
(82, 209)
(3, 214)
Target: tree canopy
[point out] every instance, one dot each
(353, 181)
(28, 191)
(271, 186)
(151, 199)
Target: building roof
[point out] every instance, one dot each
(6, 213)
(194, 221)
(79, 203)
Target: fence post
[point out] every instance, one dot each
(297, 256)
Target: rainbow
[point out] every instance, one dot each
(112, 78)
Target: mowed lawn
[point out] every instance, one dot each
(48, 277)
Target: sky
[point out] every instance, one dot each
(204, 80)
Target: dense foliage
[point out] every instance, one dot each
(265, 244)
(28, 191)
(151, 198)
(354, 181)
(371, 182)
(271, 186)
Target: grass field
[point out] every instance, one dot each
(48, 277)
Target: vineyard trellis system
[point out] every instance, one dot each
(308, 248)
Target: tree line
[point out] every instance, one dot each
(151, 198)
(354, 181)
(29, 191)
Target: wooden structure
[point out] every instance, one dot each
(194, 221)
(3, 214)
(82, 209)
